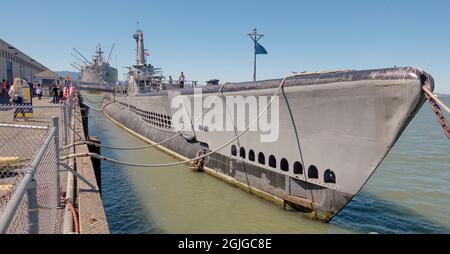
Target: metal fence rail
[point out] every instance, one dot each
(28, 179)
(29, 165)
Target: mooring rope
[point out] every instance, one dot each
(92, 107)
(100, 157)
(152, 145)
(435, 98)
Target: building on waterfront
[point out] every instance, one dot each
(47, 77)
(14, 63)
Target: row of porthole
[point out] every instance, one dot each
(313, 173)
(156, 121)
(151, 114)
(152, 118)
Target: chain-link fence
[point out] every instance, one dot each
(28, 179)
(30, 138)
(38, 114)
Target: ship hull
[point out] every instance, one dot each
(92, 87)
(340, 123)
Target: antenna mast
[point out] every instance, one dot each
(255, 37)
(109, 57)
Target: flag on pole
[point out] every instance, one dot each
(69, 88)
(259, 49)
(146, 52)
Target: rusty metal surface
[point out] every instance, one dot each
(439, 116)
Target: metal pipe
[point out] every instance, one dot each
(58, 162)
(70, 195)
(65, 122)
(3, 106)
(33, 211)
(74, 216)
(23, 126)
(15, 200)
(79, 176)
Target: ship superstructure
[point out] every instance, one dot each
(96, 74)
(142, 77)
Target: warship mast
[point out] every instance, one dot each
(140, 52)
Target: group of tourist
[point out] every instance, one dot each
(181, 80)
(16, 92)
(57, 94)
(35, 89)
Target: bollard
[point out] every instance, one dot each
(33, 211)
(58, 166)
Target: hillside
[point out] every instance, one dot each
(74, 75)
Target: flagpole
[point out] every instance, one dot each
(255, 37)
(254, 62)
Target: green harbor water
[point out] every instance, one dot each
(409, 193)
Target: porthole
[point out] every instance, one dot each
(329, 176)
(313, 173)
(242, 152)
(298, 168)
(272, 161)
(233, 150)
(284, 165)
(251, 155)
(261, 159)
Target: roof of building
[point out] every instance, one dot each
(22, 55)
(47, 74)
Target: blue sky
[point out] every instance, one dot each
(207, 39)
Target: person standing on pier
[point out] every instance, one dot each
(55, 94)
(15, 92)
(181, 80)
(61, 95)
(4, 88)
(39, 91)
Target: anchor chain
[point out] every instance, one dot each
(439, 115)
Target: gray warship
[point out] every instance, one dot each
(336, 127)
(97, 74)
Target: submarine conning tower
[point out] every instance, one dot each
(140, 56)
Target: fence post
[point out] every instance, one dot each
(33, 211)
(65, 123)
(58, 166)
